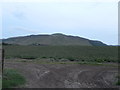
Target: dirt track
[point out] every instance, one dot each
(65, 76)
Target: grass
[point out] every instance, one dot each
(118, 81)
(12, 78)
(57, 53)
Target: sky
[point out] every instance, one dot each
(92, 19)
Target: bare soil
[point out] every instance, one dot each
(65, 75)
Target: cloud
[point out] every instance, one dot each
(24, 29)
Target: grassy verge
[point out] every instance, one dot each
(12, 78)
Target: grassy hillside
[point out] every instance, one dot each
(72, 53)
(54, 39)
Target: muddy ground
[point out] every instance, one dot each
(66, 75)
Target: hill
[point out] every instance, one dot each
(53, 39)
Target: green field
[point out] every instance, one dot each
(59, 53)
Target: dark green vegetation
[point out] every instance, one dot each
(54, 39)
(63, 53)
(12, 78)
(118, 81)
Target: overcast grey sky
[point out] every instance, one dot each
(92, 20)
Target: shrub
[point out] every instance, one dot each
(28, 57)
(71, 58)
(44, 57)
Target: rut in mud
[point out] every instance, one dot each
(66, 76)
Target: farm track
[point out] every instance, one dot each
(65, 75)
